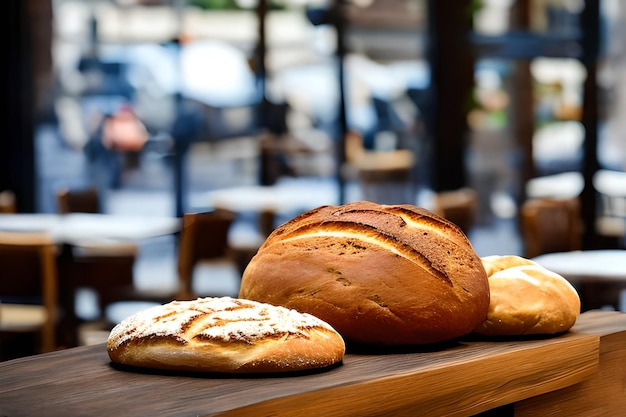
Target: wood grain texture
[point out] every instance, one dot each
(462, 379)
(453, 388)
(604, 392)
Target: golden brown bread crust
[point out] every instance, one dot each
(224, 335)
(527, 299)
(386, 275)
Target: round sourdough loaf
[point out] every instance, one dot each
(527, 299)
(379, 274)
(224, 335)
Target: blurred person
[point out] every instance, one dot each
(117, 135)
(124, 132)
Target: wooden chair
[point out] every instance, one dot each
(105, 267)
(550, 225)
(28, 286)
(611, 219)
(204, 237)
(458, 206)
(85, 200)
(7, 202)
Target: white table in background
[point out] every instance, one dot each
(84, 227)
(268, 201)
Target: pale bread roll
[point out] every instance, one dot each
(379, 274)
(497, 263)
(527, 299)
(224, 335)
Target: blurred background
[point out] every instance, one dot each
(469, 108)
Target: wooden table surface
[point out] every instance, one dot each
(461, 378)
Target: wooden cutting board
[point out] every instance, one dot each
(461, 378)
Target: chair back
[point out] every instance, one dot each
(105, 266)
(86, 200)
(458, 206)
(8, 203)
(204, 236)
(550, 225)
(29, 276)
(611, 217)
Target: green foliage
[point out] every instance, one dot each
(215, 4)
(474, 6)
(230, 4)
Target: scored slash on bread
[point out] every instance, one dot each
(398, 239)
(224, 335)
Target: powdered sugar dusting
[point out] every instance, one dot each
(222, 318)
